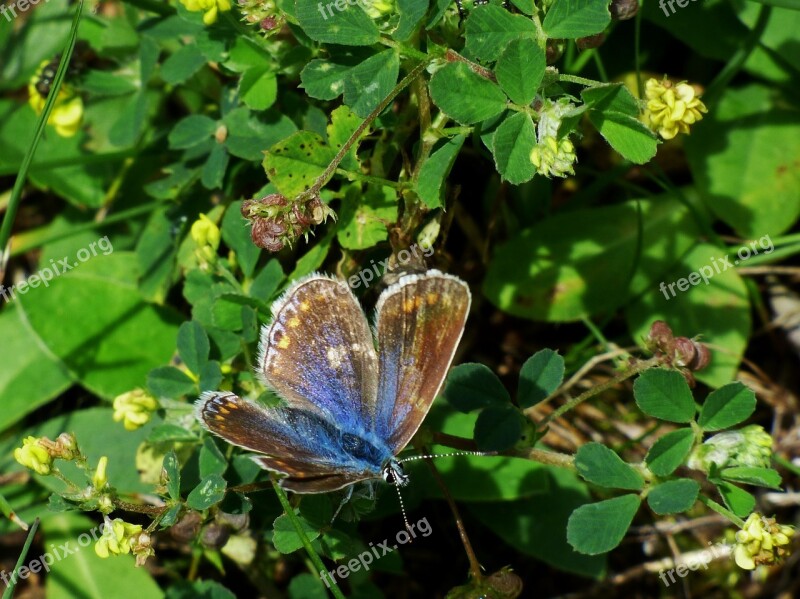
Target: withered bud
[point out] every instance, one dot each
(622, 10)
(215, 536)
(590, 41)
(505, 584)
(660, 337)
(554, 50)
(268, 23)
(267, 207)
(237, 522)
(268, 234)
(186, 528)
(691, 354)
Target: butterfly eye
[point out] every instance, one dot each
(393, 474)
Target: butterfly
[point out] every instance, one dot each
(348, 409)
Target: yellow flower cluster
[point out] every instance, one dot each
(554, 158)
(118, 536)
(67, 113)
(134, 408)
(206, 235)
(34, 455)
(761, 541)
(671, 109)
(210, 8)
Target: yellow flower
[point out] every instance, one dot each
(100, 480)
(761, 541)
(205, 234)
(117, 537)
(671, 109)
(554, 158)
(134, 408)
(34, 456)
(210, 8)
(67, 113)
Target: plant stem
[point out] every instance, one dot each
(579, 80)
(589, 393)
(356, 135)
(287, 508)
(9, 592)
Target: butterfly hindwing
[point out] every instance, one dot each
(419, 322)
(310, 452)
(319, 354)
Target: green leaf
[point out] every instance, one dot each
(172, 468)
(670, 451)
(250, 134)
(664, 394)
(743, 158)
(211, 459)
(211, 374)
(513, 141)
(540, 376)
(520, 70)
(199, 589)
(363, 217)
(348, 27)
(627, 135)
(524, 523)
(484, 100)
(170, 433)
(435, 170)
(168, 381)
(30, 376)
(673, 496)
(611, 254)
(737, 500)
(411, 13)
(210, 491)
(498, 428)
(749, 475)
(727, 406)
(181, 65)
(570, 19)
(598, 464)
(720, 309)
(599, 527)
(294, 163)
(215, 167)
(236, 234)
(259, 88)
(93, 319)
(103, 83)
(192, 130)
(81, 568)
(307, 586)
(611, 97)
(285, 537)
(489, 29)
(368, 83)
(473, 386)
(193, 345)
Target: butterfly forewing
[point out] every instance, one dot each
(420, 320)
(318, 353)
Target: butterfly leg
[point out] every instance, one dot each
(345, 499)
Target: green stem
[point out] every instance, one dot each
(579, 80)
(356, 176)
(597, 389)
(9, 592)
(16, 192)
(289, 510)
(356, 135)
(9, 513)
(722, 511)
(406, 50)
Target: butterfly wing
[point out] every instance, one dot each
(420, 320)
(318, 354)
(299, 444)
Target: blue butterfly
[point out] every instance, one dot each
(349, 409)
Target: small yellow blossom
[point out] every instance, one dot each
(117, 538)
(34, 456)
(761, 541)
(100, 480)
(205, 234)
(134, 408)
(554, 158)
(378, 8)
(210, 8)
(671, 108)
(67, 113)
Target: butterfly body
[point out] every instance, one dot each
(349, 408)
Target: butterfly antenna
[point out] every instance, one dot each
(403, 511)
(447, 455)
